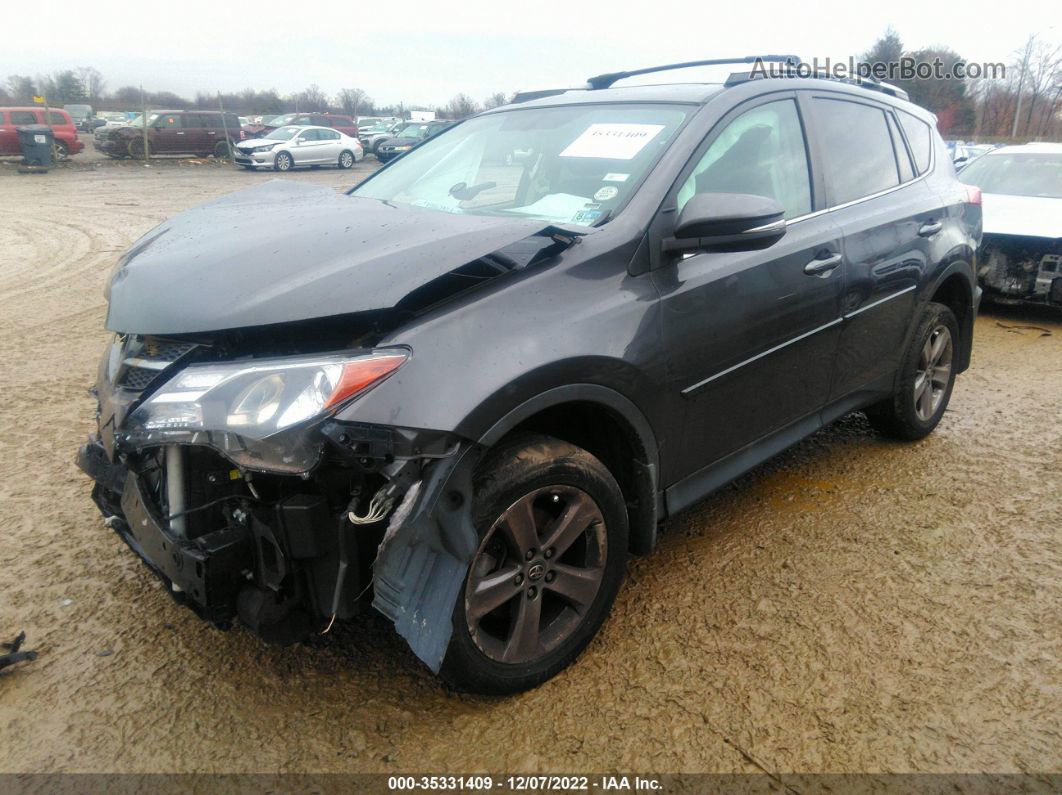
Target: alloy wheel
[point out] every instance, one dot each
(934, 373)
(346, 160)
(283, 161)
(536, 574)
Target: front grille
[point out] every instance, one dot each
(144, 358)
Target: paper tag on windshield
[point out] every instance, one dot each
(613, 141)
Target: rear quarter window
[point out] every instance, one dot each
(57, 119)
(859, 157)
(23, 117)
(919, 136)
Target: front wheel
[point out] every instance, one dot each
(282, 162)
(346, 159)
(926, 378)
(552, 554)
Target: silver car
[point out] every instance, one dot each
(294, 145)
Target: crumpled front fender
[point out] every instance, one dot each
(425, 554)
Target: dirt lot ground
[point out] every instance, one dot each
(854, 605)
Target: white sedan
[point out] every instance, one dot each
(291, 146)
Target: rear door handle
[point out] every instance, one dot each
(930, 229)
(823, 267)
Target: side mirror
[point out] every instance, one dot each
(727, 222)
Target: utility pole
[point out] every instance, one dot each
(1021, 86)
(143, 122)
(225, 126)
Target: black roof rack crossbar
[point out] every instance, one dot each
(606, 80)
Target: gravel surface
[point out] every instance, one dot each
(853, 605)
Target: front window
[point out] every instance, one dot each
(574, 164)
(1017, 174)
(283, 133)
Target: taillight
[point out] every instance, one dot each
(973, 195)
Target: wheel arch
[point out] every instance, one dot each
(956, 288)
(611, 427)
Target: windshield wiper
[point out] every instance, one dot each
(465, 192)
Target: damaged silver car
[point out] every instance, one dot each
(1021, 254)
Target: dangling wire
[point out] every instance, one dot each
(379, 507)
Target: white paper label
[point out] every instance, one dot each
(613, 141)
(615, 177)
(40, 139)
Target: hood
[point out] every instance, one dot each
(1033, 216)
(250, 143)
(287, 251)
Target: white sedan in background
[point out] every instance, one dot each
(291, 146)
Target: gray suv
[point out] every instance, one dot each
(466, 390)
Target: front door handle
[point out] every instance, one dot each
(823, 267)
(930, 229)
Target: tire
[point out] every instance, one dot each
(346, 159)
(135, 148)
(60, 152)
(283, 162)
(222, 150)
(914, 410)
(543, 480)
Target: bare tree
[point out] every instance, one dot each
(495, 100)
(92, 81)
(354, 101)
(312, 98)
(461, 106)
(21, 88)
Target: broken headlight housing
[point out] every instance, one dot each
(260, 414)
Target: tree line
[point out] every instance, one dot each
(1026, 104)
(87, 85)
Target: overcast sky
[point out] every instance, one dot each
(423, 52)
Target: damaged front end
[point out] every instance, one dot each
(1021, 268)
(233, 479)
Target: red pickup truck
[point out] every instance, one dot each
(66, 140)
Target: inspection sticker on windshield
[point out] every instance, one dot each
(615, 177)
(613, 141)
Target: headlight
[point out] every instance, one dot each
(260, 414)
(264, 148)
(403, 148)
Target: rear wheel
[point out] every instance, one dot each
(553, 546)
(346, 159)
(222, 150)
(927, 376)
(282, 162)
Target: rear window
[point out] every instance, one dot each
(859, 158)
(919, 137)
(23, 117)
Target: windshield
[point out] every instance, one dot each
(277, 121)
(412, 131)
(1017, 174)
(283, 133)
(572, 164)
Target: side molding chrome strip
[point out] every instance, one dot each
(880, 301)
(805, 335)
(767, 352)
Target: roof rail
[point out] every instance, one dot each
(870, 83)
(606, 80)
(537, 93)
